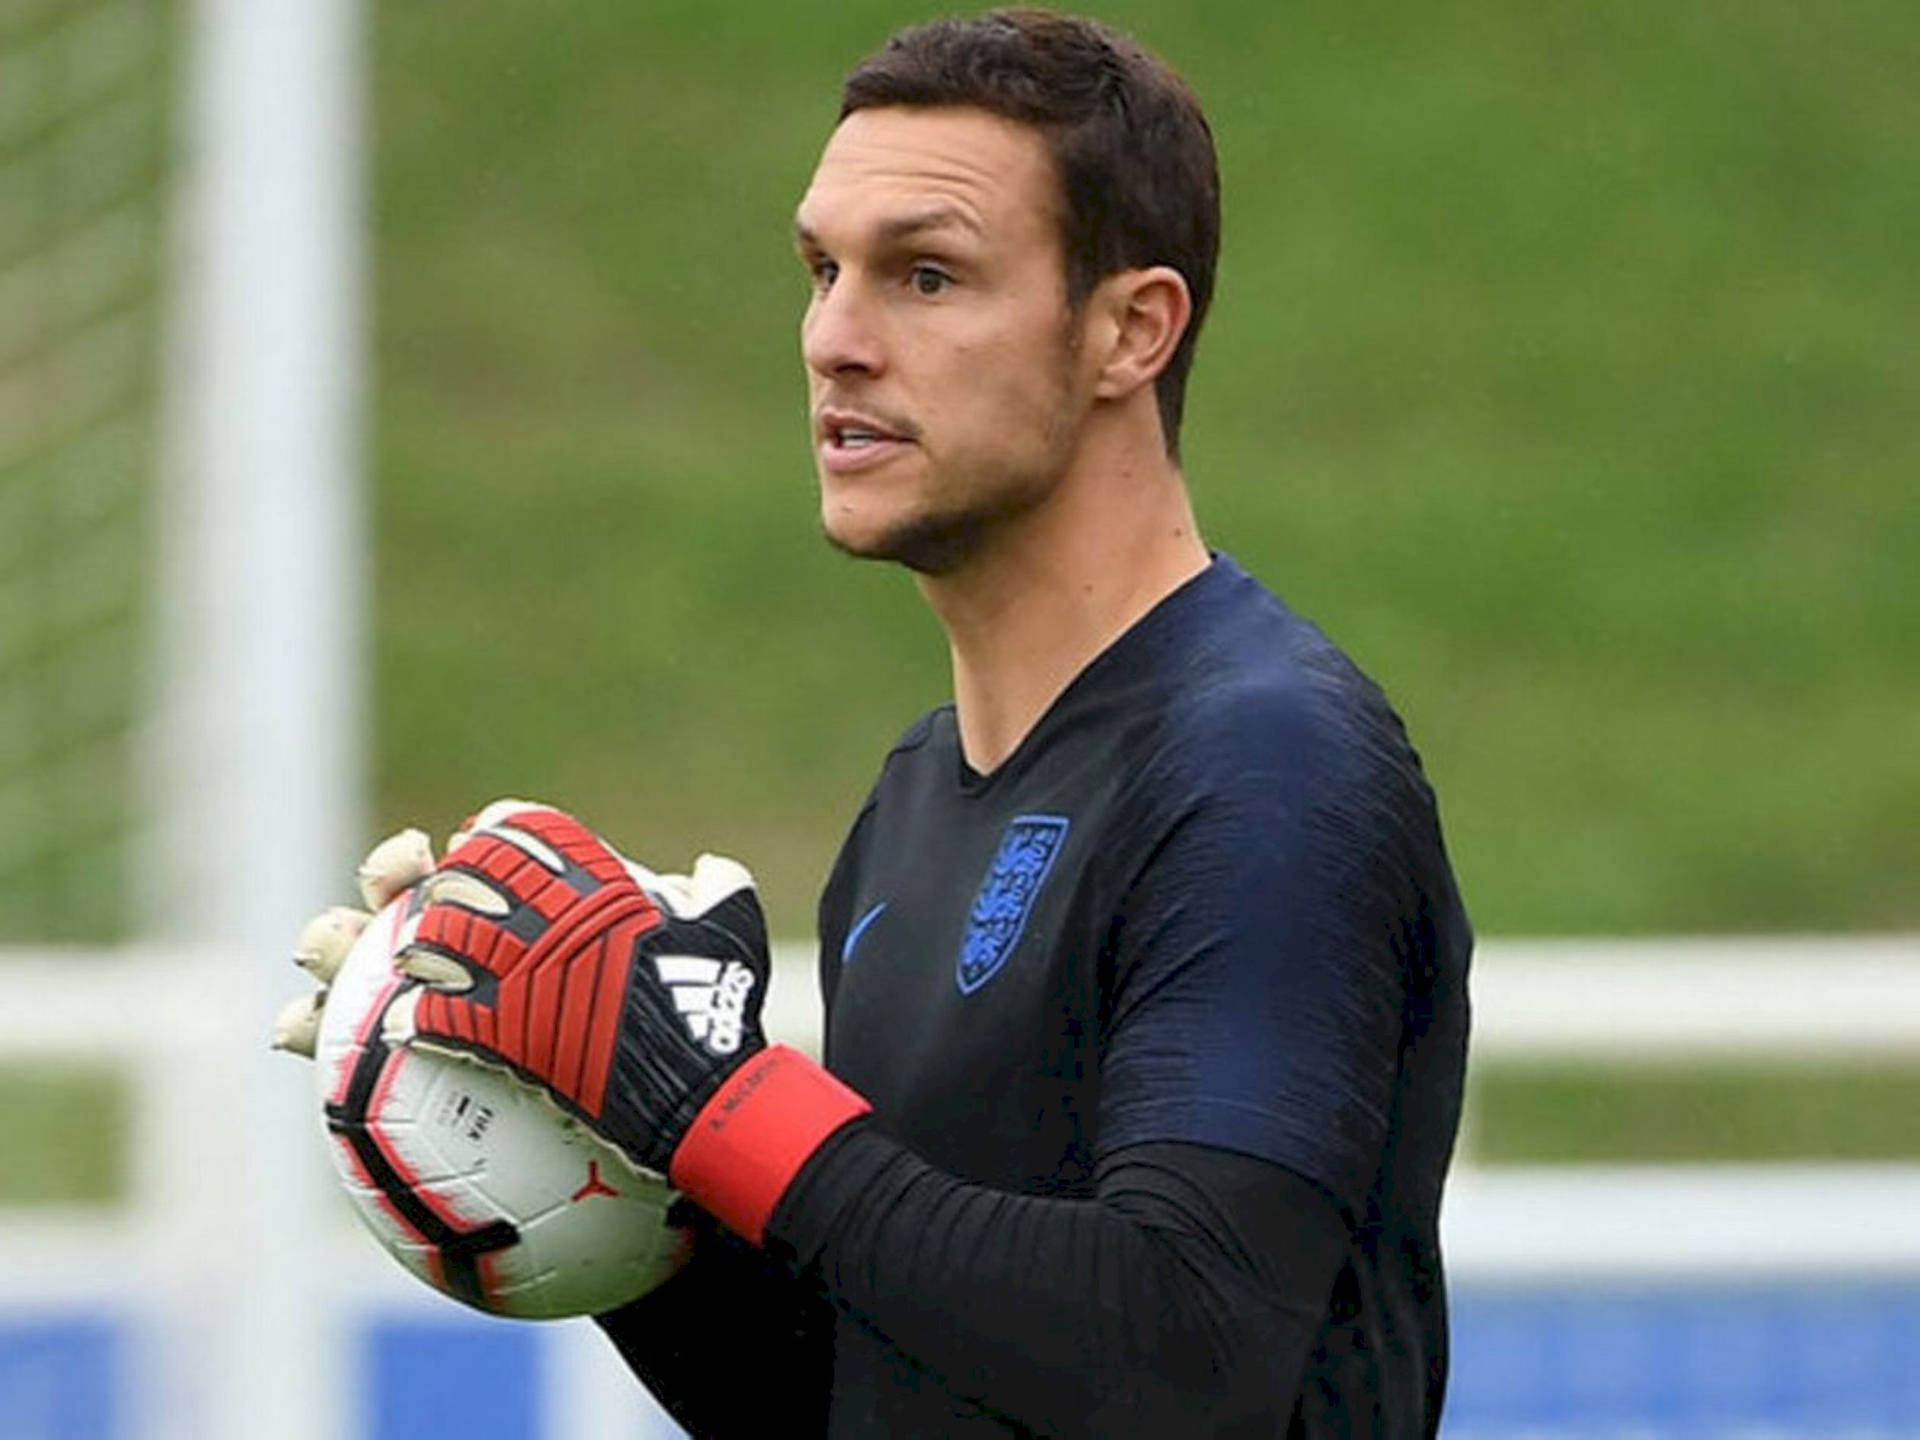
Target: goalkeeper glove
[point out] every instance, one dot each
(633, 998)
(393, 865)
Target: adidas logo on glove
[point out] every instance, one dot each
(711, 997)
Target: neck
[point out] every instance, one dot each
(1039, 600)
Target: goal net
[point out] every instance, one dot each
(179, 674)
(84, 172)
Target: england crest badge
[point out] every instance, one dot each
(999, 915)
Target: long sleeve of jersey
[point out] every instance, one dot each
(1182, 1298)
(733, 1345)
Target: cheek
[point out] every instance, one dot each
(1029, 382)
(998, 386)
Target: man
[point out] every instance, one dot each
(1144, 968)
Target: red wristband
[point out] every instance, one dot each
(748, 1142)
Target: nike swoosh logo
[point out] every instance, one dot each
(859, 929)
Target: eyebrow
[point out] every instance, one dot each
(901, 227)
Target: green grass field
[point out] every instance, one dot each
(65, 1134)
(1564, 367)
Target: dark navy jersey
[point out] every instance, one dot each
(1204, 902)
(1163, 1023)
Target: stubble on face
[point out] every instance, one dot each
(975, 502)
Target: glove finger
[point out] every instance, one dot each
(487, 816)
(542, 865)
(398, 1025)
(436, 969)
(687, 897)
(672, 893)
(488, 948)
(296, 1029)
(562, 844)
(714, 879)
(448, 1022)
(395, 863)
(325, 940)
(469, 891)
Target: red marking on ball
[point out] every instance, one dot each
(595, 1185)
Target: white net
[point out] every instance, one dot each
(84, 91)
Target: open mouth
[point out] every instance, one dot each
(848, 441)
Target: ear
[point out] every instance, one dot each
(1145, 312)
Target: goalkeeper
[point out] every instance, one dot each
(1144, 968)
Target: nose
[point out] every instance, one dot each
(840, 334)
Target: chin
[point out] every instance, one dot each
(924, 544)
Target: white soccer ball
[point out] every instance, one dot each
(472, 1178)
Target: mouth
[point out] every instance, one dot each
(850, 441)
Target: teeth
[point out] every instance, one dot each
(857, 438)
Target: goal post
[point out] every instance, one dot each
(255, 761)
(252, 762)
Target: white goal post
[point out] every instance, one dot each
(253, 755)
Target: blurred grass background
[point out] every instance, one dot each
(1565, 366)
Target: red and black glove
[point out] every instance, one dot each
(633, 998)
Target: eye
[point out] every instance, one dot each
(929, 279)
(824, 273)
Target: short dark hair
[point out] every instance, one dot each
(1132, 148)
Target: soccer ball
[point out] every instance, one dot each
(472, 1178)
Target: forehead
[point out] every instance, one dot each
(885, 163)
